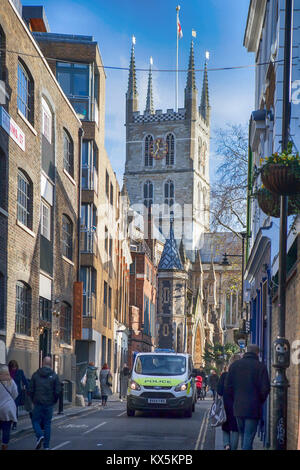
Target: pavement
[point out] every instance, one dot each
(257, 444)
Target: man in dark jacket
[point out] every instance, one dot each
(248, 384)
(44, 391)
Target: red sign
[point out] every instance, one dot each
(12, 128)
(77, 309)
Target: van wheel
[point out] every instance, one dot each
(189, 412)
(130, 412)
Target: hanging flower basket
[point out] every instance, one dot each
(281, 179)
(280, 173)
(270, 203)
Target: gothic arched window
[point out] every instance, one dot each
(171, 149)
(147, 150)
(169, 193)
(148, 194)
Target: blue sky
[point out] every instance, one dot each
(220, 27)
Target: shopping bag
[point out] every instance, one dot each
(83, 380)
(217, 413)
(109, 380)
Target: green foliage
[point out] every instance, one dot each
(214, 356)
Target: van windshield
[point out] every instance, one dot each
(158, 364)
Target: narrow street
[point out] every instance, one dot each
(111, 429)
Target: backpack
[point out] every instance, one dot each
(109, 379)
(217, 413)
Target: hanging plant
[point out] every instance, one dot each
(270, 203)
(280, 173)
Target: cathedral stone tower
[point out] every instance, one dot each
(167, 158)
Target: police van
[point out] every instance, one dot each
(162, 380)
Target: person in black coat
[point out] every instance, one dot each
(229, 428)
(213, 380)
(248, 385)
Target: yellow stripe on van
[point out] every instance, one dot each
(158, 381)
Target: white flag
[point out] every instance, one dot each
(179, 30)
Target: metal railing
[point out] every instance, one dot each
(89, 304)
(88, 241)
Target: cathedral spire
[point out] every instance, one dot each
(132, 94)
(191, 81)
(149, 101)
(190, 93)
(204, 106)
(170, 258)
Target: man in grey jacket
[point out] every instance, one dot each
(44, 391)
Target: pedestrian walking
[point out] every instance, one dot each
(124, 376)
(18, 376)
(229, 428)
(8, 408)
(199, 385)
(212, 382)
(105, 379)
(248, 385)
(91, 377)
(44, 390)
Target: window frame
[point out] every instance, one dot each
(45, 205)
(65, 323)
(148, 191)
(148, 158)
(25, 92)
(47, 129)
(23, 313)
(68, 159)
(170, 156)
(24, 199)
(67, 237)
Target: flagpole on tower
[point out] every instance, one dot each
(177, 37)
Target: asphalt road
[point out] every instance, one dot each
(111, 429)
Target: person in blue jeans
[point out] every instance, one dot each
(248, 384)
(44, 390)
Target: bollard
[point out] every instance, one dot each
(61, 400)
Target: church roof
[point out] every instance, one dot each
(170, 258)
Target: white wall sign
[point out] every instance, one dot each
(12, 128)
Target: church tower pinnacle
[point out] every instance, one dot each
(204, 106)
(190, 97)
(132, 94)
(149, 100)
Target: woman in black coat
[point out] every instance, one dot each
(229, 428)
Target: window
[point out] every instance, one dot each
(166, 330)
(45, 220)
(148, 194)
(46, 121)
(106, 239)
(68, 153)
(166, 294)
(2, 302)
(65, 323)
(132, 267)
(88, 276)
(23, 309)
(2, 54)
(25, 92)
(74, 80)
(109, 297)
(24, 202)
(107, 184)
(89, 164)
(3, 181)
(67, 237)
(45, 309)
(88, 228)
(111, 194)
(147, 150)
(105, 304)
(171, 149)
(110, 247)
(169, 193)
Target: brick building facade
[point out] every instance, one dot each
(39, 140)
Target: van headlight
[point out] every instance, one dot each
(134, 385)
(181, 387)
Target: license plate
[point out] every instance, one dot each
(160, 401)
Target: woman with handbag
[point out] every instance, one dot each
(105, 379)
(22, 384)
(8, 409)
(229, 428)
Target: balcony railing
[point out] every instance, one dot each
(88, 241)
(89, 304)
